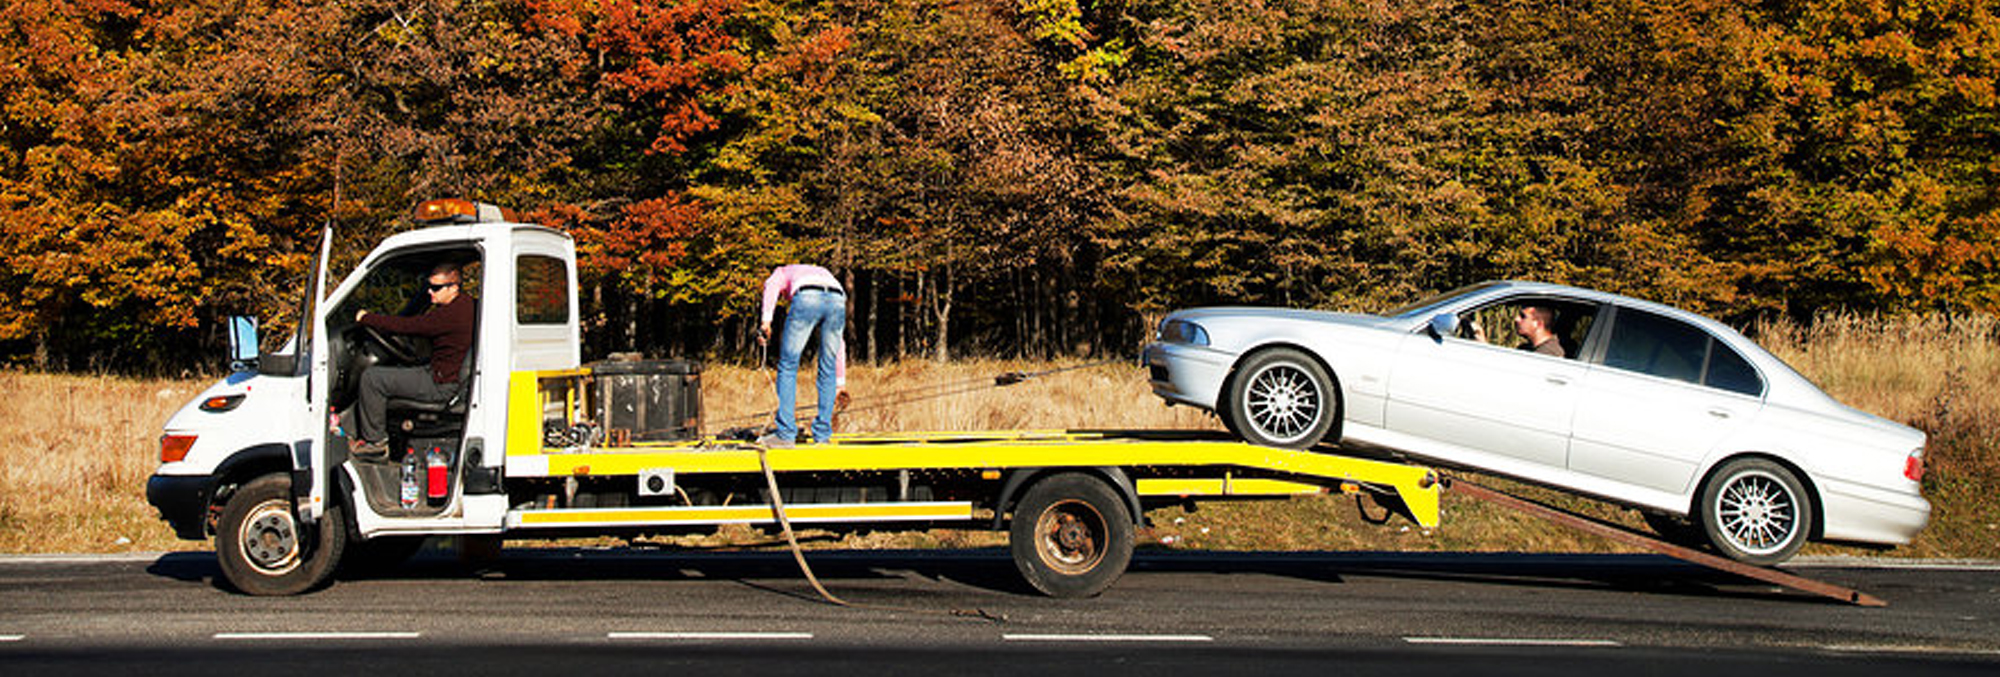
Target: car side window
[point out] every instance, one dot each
(1502, 323)
(1729, 371)
(1660, 346)
(1651, 344)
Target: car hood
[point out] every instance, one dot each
(1196, 315)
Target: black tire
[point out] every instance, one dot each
(1228, 423)
(378, 555)
(259, 546)
(1071, 535)
(1676, 530)
(1756, 511)
(1282, 398)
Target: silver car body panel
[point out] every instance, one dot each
(1620, 435)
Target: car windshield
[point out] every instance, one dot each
(1420, 307)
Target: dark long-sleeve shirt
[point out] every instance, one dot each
(449, 327)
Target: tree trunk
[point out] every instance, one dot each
(868, 320)
(942, 306)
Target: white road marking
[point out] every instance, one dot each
(1107, 638)
(709, 635)
(82, 559)
(12, 638)
(318, 635)
(1508, 641)
(1846, 562)
(1890, 648)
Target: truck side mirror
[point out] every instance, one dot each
(1443, 324)
(242, 343)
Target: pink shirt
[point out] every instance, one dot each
(787, 280)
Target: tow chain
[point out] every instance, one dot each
(897, 398)
(799, 555)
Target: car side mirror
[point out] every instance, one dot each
(1444, 324)
(242, 343)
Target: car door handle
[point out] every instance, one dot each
(1557, 379)
(1720, 412)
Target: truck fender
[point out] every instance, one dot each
(1019, 479)
(247, 464)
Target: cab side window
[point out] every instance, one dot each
(541, 293)
(1660, 346)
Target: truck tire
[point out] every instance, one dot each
(258, 541)
(1282, 398)
(1756, 511)
(1071, 535)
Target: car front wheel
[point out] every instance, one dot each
(1756, 511)
(1282, 398)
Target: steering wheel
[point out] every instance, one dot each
(398, 348)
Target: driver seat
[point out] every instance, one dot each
(418, 418)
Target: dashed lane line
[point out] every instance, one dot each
(1904, 649)
(1508, 641)
(316, 635)
(12, 638)
(1106, 638)
(710, 635)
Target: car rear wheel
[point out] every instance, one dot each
(1282, 398)
(1756, 511)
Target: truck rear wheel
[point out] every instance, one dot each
(265, 551)
(1071, 535)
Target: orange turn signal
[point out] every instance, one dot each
(175, 447)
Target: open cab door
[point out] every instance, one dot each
(310, 464)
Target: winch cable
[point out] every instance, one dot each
(916, 394)
(799, 555)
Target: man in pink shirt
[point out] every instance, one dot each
(818, 306)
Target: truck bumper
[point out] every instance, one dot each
(183, 502)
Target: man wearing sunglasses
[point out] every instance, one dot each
(448, 323)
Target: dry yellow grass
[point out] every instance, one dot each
(74, 463)
(72, 478)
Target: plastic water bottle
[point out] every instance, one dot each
(410, 487)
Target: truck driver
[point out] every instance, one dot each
(448, 323)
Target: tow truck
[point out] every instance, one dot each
(537, 443)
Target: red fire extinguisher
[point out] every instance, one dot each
(434, 473)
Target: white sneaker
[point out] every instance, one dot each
(773, 441)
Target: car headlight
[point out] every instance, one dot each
(1183, 331)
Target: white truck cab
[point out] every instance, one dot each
(257, 460)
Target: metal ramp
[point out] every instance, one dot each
(1634, 538)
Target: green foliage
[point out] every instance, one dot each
(1026, 176)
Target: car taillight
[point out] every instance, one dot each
(175, 447)
(1913, 467)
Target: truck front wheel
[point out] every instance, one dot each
(1071, 535)
(262, 547)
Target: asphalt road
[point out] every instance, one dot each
(627, 611)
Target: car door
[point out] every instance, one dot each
(1663, 394)
(1497, 402)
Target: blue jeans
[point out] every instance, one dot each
(811, 309)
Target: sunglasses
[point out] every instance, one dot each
(435, 287)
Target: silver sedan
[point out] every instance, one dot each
(1716, 440)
